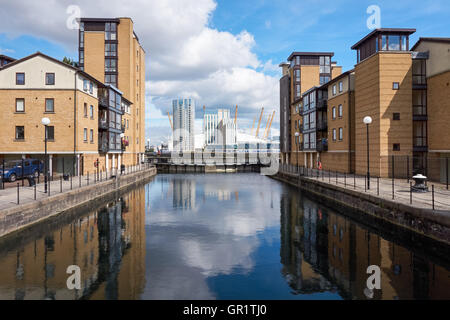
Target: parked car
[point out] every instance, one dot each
(13, 169)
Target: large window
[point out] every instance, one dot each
(341, 133)
(312, 120)
(111, 79)
(110, 49)
(333, 113)
(419, 98)
(49, 105)
(340, 111)
(20, 105)
(419, 71)
(334, 134)
(91, 111)
(394, 43)
(324, 63)
(420, 133)
(91, 136)
(324, 79)
(85, 134)
(20, 132)
(312, 100)
(297, 75)
(110, 65)
(110, 31)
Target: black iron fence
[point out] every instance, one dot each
(31, 187)
(397, 186)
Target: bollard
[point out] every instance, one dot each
(354, 180)
(49, 183)
(378, 186)
(101, 176)
(393, 189)
(336, 177)
(432, 194)
(18, 187)
(79, 180)
(23, 173)
(35, 191)
(70, 182)
(88, 178)
(446, 170)
(345, 179)
(60, 184)
(410, 193)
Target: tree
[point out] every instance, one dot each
(69, 61)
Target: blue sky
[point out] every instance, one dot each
(222, 53)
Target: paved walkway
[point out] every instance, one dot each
(383, 188)
(8, 196)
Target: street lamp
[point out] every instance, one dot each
(46, 122)
(368, 120)
(122, 135)
(297, 134)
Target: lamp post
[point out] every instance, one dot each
(368, 120)
(297, 134)
(122, 135)
(46, 122)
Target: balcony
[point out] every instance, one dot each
(103, 147)
(322, 126)
(322, 145)
(102, 124)
(322, 105)
(103, 101)
(419, 82)
(420, 113)
(420, 144)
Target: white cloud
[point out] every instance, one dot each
(185, 56)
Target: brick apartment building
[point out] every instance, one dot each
(89, 106)
(405, 91)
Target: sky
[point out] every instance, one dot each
(222, 53)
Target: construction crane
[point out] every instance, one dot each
(270, 125)
(235, 115)
(171, 125)
(259, 122)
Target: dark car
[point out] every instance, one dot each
(13, 169)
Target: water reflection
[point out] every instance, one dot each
(322, 250)
(214, 236)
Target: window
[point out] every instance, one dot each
(395, 86)
(81, 57)
(341, 133)
(110, 49)
(394, 43)
(85, 85)
(396, 147)
(128, 123)
(91, 87)
(297, 90)
(340, 112)
(341, 86)
(324, 80)
(334, 90)
(49, 105)
(85, 134)
(91, 136)
(110, 31)
(91, 111)
(49, 79)
(20, 78)
(384, 42)
(324, 64)
(85, 110)
(20, 132)
(334, 134)
(333, 113)
(396, 116)
(111, 79)
(297, 75)
(20, 105)
(50, 133)
(110, 65)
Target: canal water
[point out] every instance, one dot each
(215, 236)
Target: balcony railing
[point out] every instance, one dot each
(322, 125)
(103, 147)
(419, 110)
(103, 101)
(322, 145)
(102, 124)
(322, 104)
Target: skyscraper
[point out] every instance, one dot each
(183, 124)
(219, 129)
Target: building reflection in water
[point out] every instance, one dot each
(101, 243)
(324, 251)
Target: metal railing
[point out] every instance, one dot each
(36, 189)
(400, 190)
